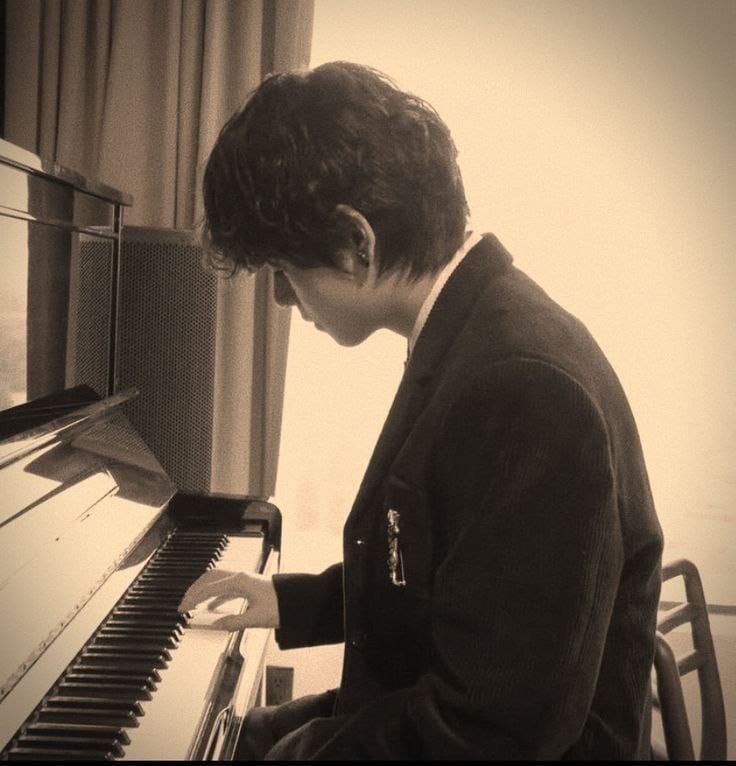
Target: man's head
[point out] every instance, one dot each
(311, 149)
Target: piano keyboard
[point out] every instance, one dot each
(137, 688)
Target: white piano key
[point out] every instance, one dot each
(172, 719)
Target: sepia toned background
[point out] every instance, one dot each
(597, 141)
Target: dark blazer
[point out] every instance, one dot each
(526, 536)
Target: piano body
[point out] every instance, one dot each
(96, 545)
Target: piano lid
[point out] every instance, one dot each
(77, 493)
(11, 154)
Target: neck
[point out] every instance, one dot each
(404, 300)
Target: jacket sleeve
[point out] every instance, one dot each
(310, 608)
(524, 590)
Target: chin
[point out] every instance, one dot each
(348, 342)
(352, 339)
(348, 339)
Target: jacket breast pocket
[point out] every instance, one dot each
(408, 541)
(400, 596)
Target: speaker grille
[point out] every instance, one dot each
(91, 340)
(166, 349)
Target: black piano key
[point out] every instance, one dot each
(69, 702)
(130, 621)
(134, 652)
(114, 628)
(157, 660)
(72, 716)
(142, 615)
(203, 564)
(170, 577)
(70, 742)
(193, 538)
(127, 692)
(163, 581)
(129, 670)
(202, 561)
(152, 598)
(172, 627)
(146, 609)
(113, 665)
(156, 578)
(145, 618)
(202, 554)
(113, 712)
(165, 643)
(182, 583)
(165, 639)
(117, 644)
(195, 548)
(188, 552)
(43, 754)
(147, 623)
(166, 598)
(134, 681)
(179, 568)
(111, 733)
(184, 575)
(148, 619)
(174, 570)
(157, 590)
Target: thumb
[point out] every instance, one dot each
(219, 601)
(231, 622)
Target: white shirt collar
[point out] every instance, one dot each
(471, 239)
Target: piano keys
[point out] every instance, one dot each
(126, 675)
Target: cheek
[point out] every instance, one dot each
(305, 290)
(318, 299)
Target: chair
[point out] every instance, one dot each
(669, 670)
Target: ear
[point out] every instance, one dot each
(359, 257)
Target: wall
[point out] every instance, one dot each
(597, 142)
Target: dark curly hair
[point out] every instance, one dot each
(305, 142)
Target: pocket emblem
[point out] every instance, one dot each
(395, 559)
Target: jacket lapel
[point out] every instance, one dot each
(450, 312)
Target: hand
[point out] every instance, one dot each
(262, 609)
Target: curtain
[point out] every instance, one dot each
(133, 93)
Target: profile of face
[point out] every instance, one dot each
(334, 300)
(347, 300)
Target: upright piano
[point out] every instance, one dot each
(97, 547)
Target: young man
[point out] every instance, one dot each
(501, 570)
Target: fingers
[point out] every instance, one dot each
(231, 622)
(218, 601)
(204, 619)
(220, 586)
(213, 583)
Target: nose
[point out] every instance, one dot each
(283, 292)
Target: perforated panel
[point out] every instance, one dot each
(166, 349)
(90, 300)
